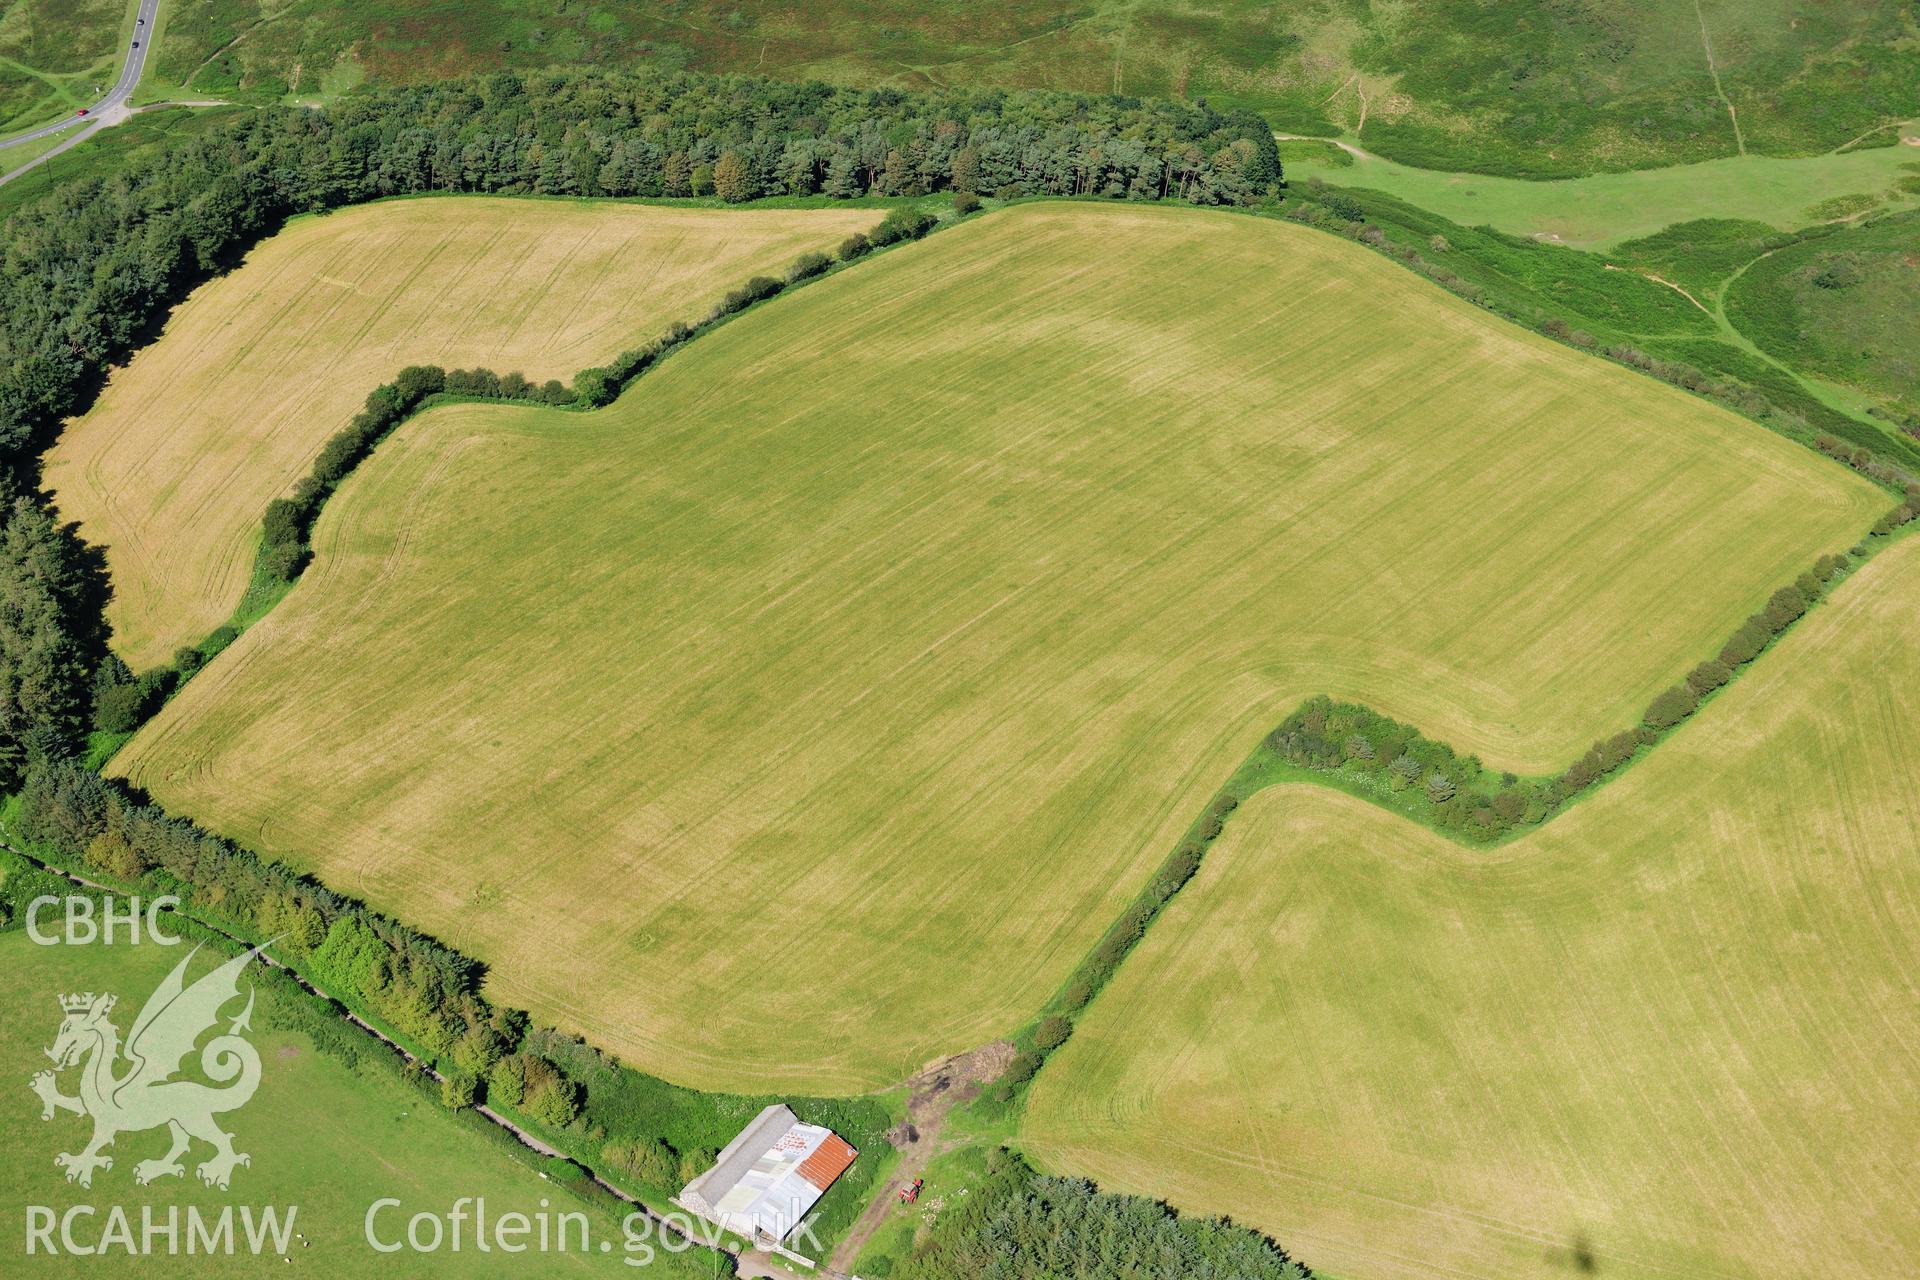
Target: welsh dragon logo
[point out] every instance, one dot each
(146, 1094)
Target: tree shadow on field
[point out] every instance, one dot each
(1578, 1257)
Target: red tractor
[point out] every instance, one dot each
(910, 1194)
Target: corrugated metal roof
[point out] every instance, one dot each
(770, 1176)
(829, 1160)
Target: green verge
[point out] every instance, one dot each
(348, 1120)
(1576, 298)
(605, 1108)
(112, 151)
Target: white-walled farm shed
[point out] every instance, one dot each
(770, 1176)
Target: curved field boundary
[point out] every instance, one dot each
(287, 524)
(1070, 461)
(171, 466)
(1454, 796)
(1672, 1036)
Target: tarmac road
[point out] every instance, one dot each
(111, 109)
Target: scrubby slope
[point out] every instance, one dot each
(1499, 86)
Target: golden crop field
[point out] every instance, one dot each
(1675, 1031)
(174, 465)
(807, 713)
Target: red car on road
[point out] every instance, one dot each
(82, 111)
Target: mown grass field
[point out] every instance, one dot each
(327, 1138)
(1673, 1033)
(173, 467)
(1601, 210)
(1499, 86)
(804, 715)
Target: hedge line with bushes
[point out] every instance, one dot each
(641, 1130)
(1538, 286)
(288, 524)
(122, 700)
(1395, 765)
(634, 1128)
(1021, 1225)
(1423, 779)
(88, 271)
(284, 1004)
(1034, 1044)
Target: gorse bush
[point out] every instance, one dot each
(647, 1161)
(902, 224)
(1051, 1033)
(1020, 1225)
(808, 265)
(1671, 707)
(758, 289)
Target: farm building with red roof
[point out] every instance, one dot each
(769, 1177)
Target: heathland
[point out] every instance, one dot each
(325, 1136)
(807, 713)
(1504, 86)
(1669, 1034)
(172, 468)
(54, 54)
(1844, 307)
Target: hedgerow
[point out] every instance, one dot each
(1573, 298)
(87, 272)
(1021, 1225)
(1360, 750)
(423, 993)
(1427, 781)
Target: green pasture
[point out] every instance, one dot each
(326, 1138)
(1601, 210)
